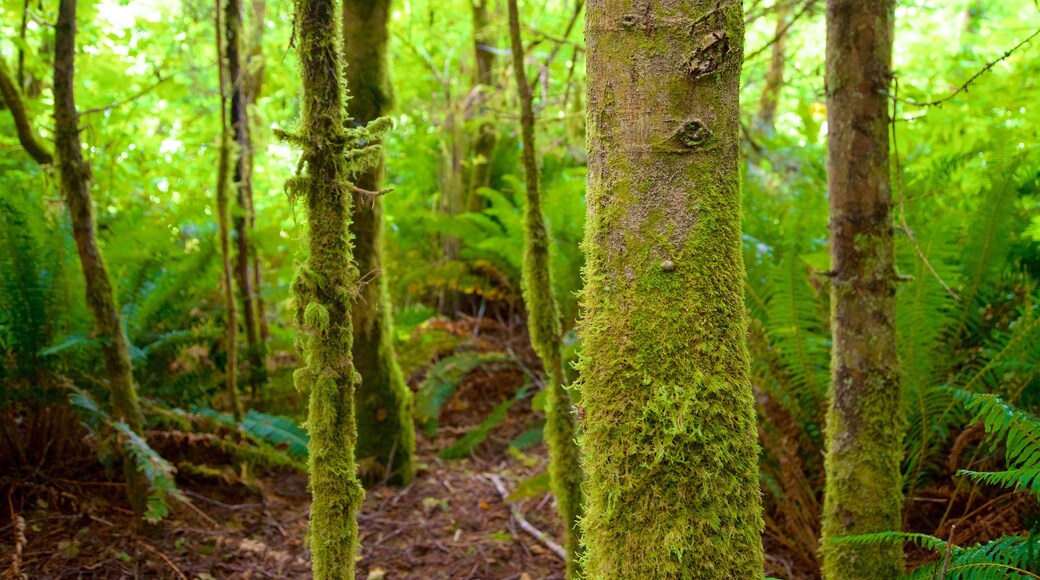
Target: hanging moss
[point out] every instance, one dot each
(386, 432)
(865, 419)
(669, 435)
(543, 323)
(326, 283)
(75, 187)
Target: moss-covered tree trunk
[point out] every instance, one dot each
(386, 433)
(669, 423)
(865, 421)
(326, 284)
(224, 233)
(243, 219)
(543, 321)
(484, 141)
(75, 188)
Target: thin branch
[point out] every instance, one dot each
(780, 33)
(902, 199)
(974, 77)
(129, 99)
(23, 125)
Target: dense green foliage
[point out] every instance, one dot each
(966, 189)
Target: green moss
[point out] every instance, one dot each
(669, 437)
(325, 286)
(386, 432)
(543, 324)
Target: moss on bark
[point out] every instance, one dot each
(224, 233)
(326, 283)
(865, 419)
(669, 426)
(75, 188)
(256, 351)
(386, 432)
(543, 322)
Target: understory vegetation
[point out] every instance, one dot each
(466, 266)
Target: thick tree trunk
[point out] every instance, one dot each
(865, 421)
(324, 287)
(386, 433)
(227, 277)
(243, 180)
(486, 137)
(75, 187)
(669, 422)
(543, 322)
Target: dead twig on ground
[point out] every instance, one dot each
(525, 525)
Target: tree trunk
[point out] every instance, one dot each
(254, 84)
(865, 423)
(227, 278)
(669, 424)
(765, 118)
(386, 433)
(325, 285)
(486, 137)
(75, 179)
(543, 322)
(244, 185)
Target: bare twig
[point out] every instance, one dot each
(974, 77)
(782, 31)
(902, 200)
(165, 558)
(525, 525)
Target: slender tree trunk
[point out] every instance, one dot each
(244, 185)
(325, 285)
(765, 118)
(227, 278)
(543, 322)
(254, 84)
(75, 187)
(669, 424)
(486, 137)
(865, 422)
(11, 95)
(386, 433)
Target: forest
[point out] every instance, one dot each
(520, 289)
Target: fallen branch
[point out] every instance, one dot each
(522, 521)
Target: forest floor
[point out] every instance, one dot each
(452, 521)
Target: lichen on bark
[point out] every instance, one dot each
(865, 418)
(543, 322)
(386, 431)
(669, 436)
(327, 282)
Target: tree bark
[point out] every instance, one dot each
(386, 433)
(75, 177)
(669, 424)
(243, 219)
(865, 422)
(227, 277)
(325, 285)
(484, 142)
(765, 118)
(543, 322)
(11, 95)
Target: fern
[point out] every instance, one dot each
(478, 435)
(1003, 558)
(441, 381)
(159, 473)
(1020, 433)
